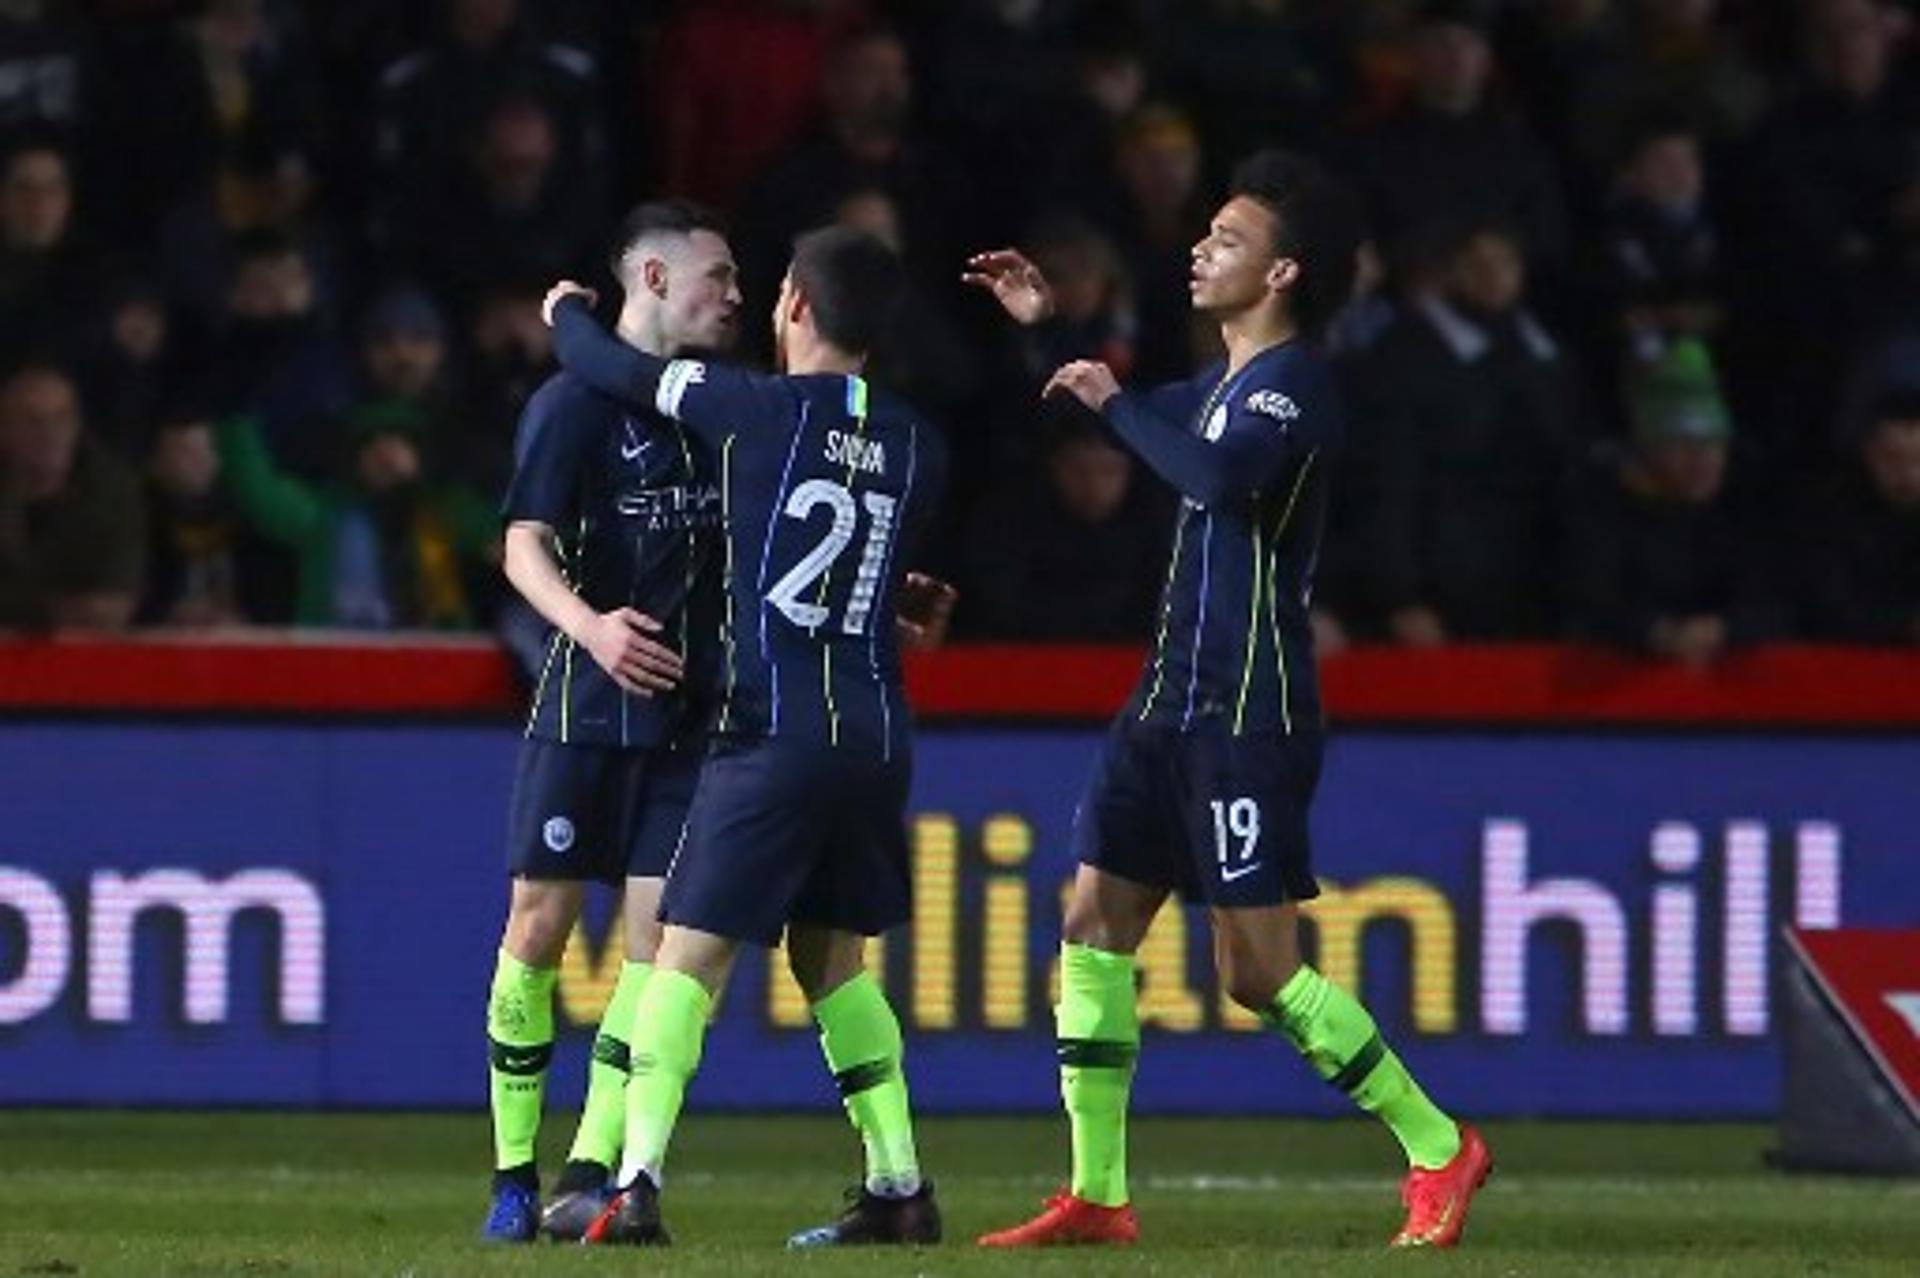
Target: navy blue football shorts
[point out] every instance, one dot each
(591, 813)
(783, 833)
(1218, 818)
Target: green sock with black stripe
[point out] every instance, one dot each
(860, 1037)
(1338, 1038)
(520, 1042)
(1098, 1023)
(603, 1120)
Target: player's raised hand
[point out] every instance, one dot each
(1015, 282)
(559, 293)
(924, 607)
(621, 643)
(1087, 380)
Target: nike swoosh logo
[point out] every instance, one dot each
(1228, 876)
(633, 453)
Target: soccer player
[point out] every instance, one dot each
(1204, 781)
(798, 823)
(613, 516)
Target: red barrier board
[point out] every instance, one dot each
(1506, 684)
(1872, 976)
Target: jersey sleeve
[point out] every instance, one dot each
(711, 400)
(1263, 429)
(551, 449)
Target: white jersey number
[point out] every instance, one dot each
(814, 566)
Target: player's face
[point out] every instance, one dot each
(702, 305)
(1235, 268)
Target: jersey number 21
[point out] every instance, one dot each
(789, 594)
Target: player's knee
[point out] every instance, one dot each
(537, 929)
(1087, 924)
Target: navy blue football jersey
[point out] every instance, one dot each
(1251, 455)
(826, 485)
(635, 508)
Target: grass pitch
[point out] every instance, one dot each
(300, 1194)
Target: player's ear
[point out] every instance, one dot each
(1283, 274)
(653, 276)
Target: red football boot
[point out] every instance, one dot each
(1437, 1200)
(1067, 1221)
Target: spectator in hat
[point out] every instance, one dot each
(1663, 559)
(1860, 535)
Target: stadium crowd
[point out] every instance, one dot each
(1636, 356)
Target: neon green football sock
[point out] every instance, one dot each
(520, 1042)
(1338, 1038)
(1098, 1024)
(669, 1029)
(860, 1037)
(603, 1119)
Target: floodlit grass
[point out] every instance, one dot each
(297, 1194)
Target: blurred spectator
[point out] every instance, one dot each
(1833, 164)
(1451, 154)
(72, 535)
(1257, 72)
(863, 142)
(1107, 87)
(1462, 424)
(737, 80)
(1369, 314)
(507, 214)
(1860, 536)
(922, 355)
(230, 84)
(40, 66)
(510, 352)
(1160, 216)
(1093, 315)
(994, 75)
(386, 543)
(278, 360)
(1677, 59)
(47, 275)
(1661, 250)
(1071, 548)
(208, 567)
(140, 357)
(432, 104)
(405, 361)
(1663, 559)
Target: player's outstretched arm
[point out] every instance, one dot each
(1213, 472)
(1015, 282)
(620, 642)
